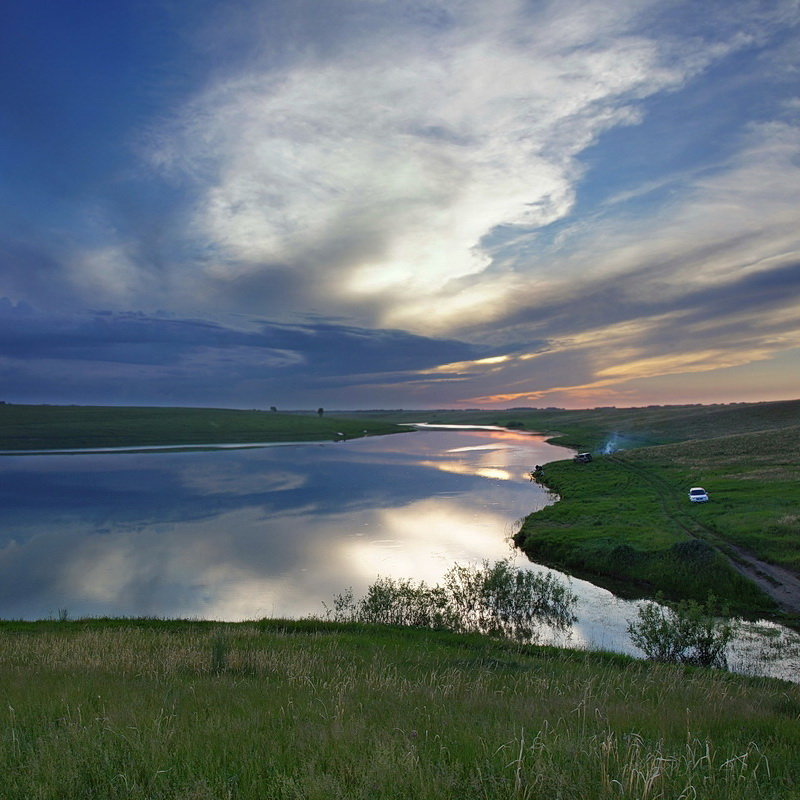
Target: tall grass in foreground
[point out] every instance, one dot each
(109, 709)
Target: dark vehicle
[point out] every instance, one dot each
(582, 458)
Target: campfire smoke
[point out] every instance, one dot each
(612, 445)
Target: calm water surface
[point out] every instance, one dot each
(236, 534)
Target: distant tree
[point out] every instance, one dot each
(273, 408)
(320, 412)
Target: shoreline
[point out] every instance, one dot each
(109, 428)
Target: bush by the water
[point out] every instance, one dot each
(682, 633)
(497, 599)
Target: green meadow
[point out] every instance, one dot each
(44, 427)
(633, 530)
(625, 520)
(307, 709)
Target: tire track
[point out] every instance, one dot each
(782, 585)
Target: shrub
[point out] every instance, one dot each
(693, 551)
(498, 600)
(682, 633)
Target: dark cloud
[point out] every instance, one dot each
(761, 293)
(588, 305)
(119, 357)
(29, 270)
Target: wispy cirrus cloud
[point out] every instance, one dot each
(378, 169)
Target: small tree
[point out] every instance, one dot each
(320, 412)
(687, 632)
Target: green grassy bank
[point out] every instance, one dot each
(194, 711)
(24, 427)
(625, 520)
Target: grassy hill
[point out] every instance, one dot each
(24, 427)
(177, 710)
(591, 429)
(54, 427)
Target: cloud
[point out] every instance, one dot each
(139, 358)
(707, 283)
(426, 200)
(374, 168)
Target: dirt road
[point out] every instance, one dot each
(779, 583)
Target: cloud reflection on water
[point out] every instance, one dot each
(242, 534)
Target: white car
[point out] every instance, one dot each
(697, 494)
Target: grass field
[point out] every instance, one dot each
(635, 534)
(65, 427)
(753, 479)
(195, 711)
(625, 521)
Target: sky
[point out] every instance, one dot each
(399, 203)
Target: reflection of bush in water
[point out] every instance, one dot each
(766, 649)
(498, 600)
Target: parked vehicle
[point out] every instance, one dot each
(582, 458)
(697, 494)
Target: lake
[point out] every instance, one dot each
(270, 531)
